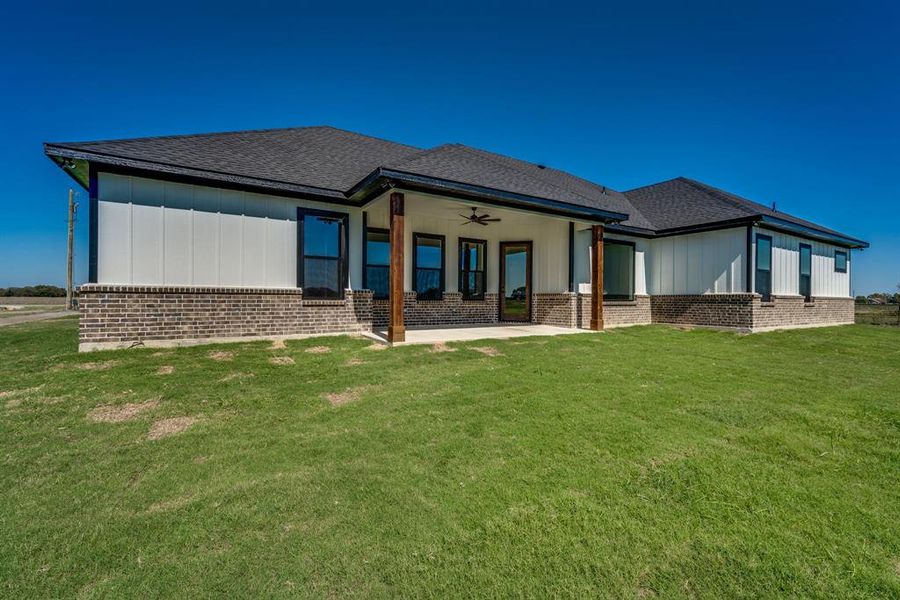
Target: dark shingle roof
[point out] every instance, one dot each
(456, 162)
(332, 162)
(683, 202)
(322, 157)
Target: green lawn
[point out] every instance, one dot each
(636, 463)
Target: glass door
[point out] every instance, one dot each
(515, 281)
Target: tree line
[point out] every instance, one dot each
(34, 291)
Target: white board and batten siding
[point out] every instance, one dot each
(710, 262)
(826, 282)
(160, 233)
(583, 259)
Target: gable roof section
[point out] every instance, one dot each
(683, 203)
(318, 157)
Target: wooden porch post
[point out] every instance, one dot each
(597, 278)
(396, 330)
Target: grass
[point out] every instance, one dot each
(640, 462)
(878, 314)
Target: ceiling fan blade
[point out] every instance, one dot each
(466, 217)
(481, 223)
(494, 220)
(465, 222)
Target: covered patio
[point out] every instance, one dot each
(468, 333)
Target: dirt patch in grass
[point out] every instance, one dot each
(237, 375)
(318, 350)
(162, 353)
(221, 355)
(354, 362)
(165, 370)
(171, 426)
(119, 414)
(167, 505)
(281, 360)
(441, 347)
(97, 366)
(346, 397)
(486, 350)
(376, 346)
(278, 345)
(13, 402)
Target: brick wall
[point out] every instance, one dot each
(794, 311)
(558, 310)
(615, 312)
(714, 310)
(452, 310)
(119, 315)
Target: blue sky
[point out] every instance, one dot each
(792, 103)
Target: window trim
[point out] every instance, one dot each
(415, 261)
(343, 245)
(365, 259)
(483, 271)
(765, 297)
(620, 297)
(800, 275)
(846, 261)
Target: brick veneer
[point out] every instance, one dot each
(794, 311)
(558, 310)
(713, 310)
(616, 313)
(748, 312)
(116, 316)
(122, 315)
(451, 310)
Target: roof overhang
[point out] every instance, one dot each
(370, 187)
(786, 226)
(383, 179)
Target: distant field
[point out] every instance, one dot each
(28, 300)
(877, 314)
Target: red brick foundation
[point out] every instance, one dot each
(747, 312)
(116, 316)
(452, 310)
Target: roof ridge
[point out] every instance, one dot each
(236, 132)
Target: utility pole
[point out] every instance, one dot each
(71, 251)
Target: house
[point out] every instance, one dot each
(291, 232)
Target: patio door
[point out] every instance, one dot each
(515, 281)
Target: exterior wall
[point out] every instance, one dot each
(452, 310)
(616, 313)
(117, 316)
(426, 214)
(158, 233)
(826, 282)
(711, 262)
(747, 312)
(583, 260)
(711, 310)
(794, 311)
(559, 310)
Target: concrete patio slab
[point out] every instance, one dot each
(476, 332)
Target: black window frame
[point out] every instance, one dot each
(800, 276)
(415, 263)
(629, 297)
(463, 271)
(767, 296)
(846, 256)
(365, 261)
(343, 246)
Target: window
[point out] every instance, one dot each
(806, 271)
(428, 266)
(376, 276)
(618, 270)
(840, 261)
(764, 267)
(471, 268)
(322, 244)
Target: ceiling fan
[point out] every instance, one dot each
(476, 218)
